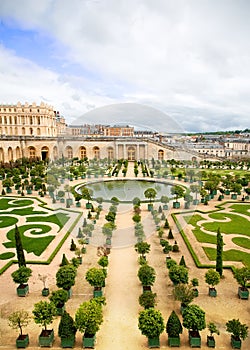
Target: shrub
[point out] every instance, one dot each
(173, 326)
(147, 299)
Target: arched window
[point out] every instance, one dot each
(69, 152)
(83, 152)
(1, 155)
(160, 154)
(10, 153)
(18, 153)
(45, 153)
(23, 131)
(32, 152)
(96, 151)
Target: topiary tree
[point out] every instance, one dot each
(89, 317)
(151, 323)
(147, 299)
(194, 318)
(212, 278)
(95, 277)
(142, 248)
(182, 262)
(72, 245)
(170, 263)
(44, 313)
(146, 275)
(59, 297)
(219, 253)
(178, 274)
(21, 275)
(19, 248)
(67, 327)
(65, 277)
(64, 260)
(150, 193)
(173, 326)
(170, 234)
(239, 330)
(242, 276)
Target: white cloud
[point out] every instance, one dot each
(188, 57)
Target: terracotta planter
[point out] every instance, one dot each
(22, 341)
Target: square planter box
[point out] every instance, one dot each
(194, 339)
(154, 342)
(150, 207)
(174, 341)
(195, 201)
(46, 338)
(60, 310)
(176, 205)
(88, 341)
(243, 293)
(45, 292)
(22, 290)
(210, 341)
(165, 207)
(88, 205)
(235, 343)
(212, 292)
(233, 196)
(68, 342)
(97, 292)
(22, 341)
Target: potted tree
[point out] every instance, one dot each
(18, 320)
(165, 200)
(142, 248)
(150, 193)
(65, 278)
(147, 299)
(242, 276)
(239, 332)
(96, 278)
(210, 338)
(45, 290)
(151, 324)
(178, 274)
(88, 319)
(174, 329)
(178, 191)
(59, 298)
(195, 283)
(212, 278)
(21, 276)
(44, 314)
(194, 321)
(67, 330)
(146, 275)
(184, 293)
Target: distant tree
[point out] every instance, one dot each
(219, 253)
(19, 248)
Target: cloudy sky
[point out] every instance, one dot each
(186, 61)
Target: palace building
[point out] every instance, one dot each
(38, 131)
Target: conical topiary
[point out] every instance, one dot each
(173, 327)
(67, 328)
(170, 234)
(64, 260)
(182, 261)
(72, 245)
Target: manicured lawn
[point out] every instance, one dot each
(27, 211)
(237, 224)
(59, 219)
(6, 203)
(241, 208)
(193, 219)
(34, 245)
(204, 237)
(242, 242)
(229, 255)
(6, 221)
(7, 255)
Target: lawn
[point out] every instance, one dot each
(241, 208)
(6, 203)
(229, 255)
(236, 225)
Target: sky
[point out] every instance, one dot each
(164, 62)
